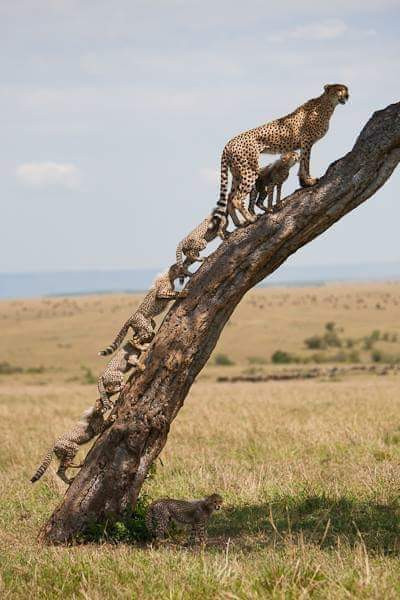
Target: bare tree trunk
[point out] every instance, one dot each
(117, 465)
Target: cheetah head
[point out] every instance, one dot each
(214, 501)
(291, 158)
(337, 92)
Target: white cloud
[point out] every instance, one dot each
(49, 174)
(209, 175)
(323, 30)
(329, 29)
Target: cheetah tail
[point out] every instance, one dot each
(45, 463)
(117, 342)
(179, 262)
(220, 210)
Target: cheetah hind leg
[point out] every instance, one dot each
(260, 201)
(62, 475)
(239, 196)
(270, 191)
(253, 201)
(232, 213)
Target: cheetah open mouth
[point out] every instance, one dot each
(343, 99)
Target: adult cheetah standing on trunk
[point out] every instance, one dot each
(297, 131)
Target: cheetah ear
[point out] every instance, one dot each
(327, 86)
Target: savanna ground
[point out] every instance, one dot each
(309, 470)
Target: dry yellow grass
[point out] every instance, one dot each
(309, 469)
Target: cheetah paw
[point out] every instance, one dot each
(308, 181)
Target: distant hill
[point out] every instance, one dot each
(64, 283)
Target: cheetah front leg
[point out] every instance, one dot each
(270, 191)
(278, 194)
(197, 533)
(253, 200)
(305, 178)
(260, 200)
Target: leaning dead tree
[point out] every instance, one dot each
(116, 467)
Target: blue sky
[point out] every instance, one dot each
(114, 115)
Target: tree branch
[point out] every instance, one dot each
(117, 465)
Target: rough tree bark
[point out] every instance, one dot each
(117, 465)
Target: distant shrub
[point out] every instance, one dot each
(339, 357)
(375, 335)
(353, 357)
(315, 342)
(368, 343)
(223, 360)
(379, 356)
(257, 360)
(7, 369)
(350, 343)
(329, 339)
(34, 370)
(332, 339)
(389, 337)
(280, 357)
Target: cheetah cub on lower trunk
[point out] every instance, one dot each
(66, 447)
(270, 177)
(195, 513)
(111, 381)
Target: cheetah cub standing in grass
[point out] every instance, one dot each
(195, 513)
(111, 381)
(194, 243)
(154, 303)
(269, 177)
(297, 131)
(66, 447)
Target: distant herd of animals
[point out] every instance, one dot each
(297, 131)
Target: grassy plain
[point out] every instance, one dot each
(309, 470)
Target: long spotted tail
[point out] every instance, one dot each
(43, 467)
(220, 210)
(179, 261)
(219, 214)
(117, 342)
